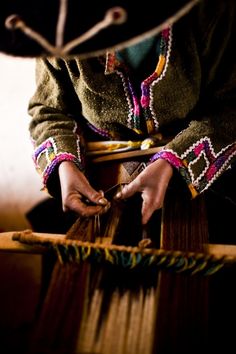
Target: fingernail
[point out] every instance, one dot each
(102, 201)
(118, 195)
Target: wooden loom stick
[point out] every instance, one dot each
(31, 242)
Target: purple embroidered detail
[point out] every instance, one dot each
(59, 158)
(176, 162)
(145, 87)
(53, 158)
(48, 147)
(134, 119)
(215, 163)
(101, 132)
(169, 156)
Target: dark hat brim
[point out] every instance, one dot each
(142, 19)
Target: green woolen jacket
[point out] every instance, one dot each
(184, 87)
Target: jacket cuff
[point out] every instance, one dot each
(47, 159)
(179, 164)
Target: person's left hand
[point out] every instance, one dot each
(152, 183)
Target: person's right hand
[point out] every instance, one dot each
(77, 193)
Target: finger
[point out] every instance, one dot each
(94, 210)
(150, 205)
(146, 212)
(95, 197)
(101, 192)
(73, 181)
(128, 190)
(78, 205)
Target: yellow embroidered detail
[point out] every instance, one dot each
(150, 126)
(160, 65)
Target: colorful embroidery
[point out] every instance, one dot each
(215, 163)
(159, 73)
(99, 131)
(112, 63)
(53, 158)
(137, 106)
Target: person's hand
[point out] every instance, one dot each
(77, 193)
(152, 183)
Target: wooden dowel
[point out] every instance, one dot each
(8, 244)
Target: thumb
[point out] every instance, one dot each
(127, 191)
(96, 197)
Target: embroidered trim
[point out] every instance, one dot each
(129, 94)
(166, 50)
(53, 163)
(176, 161)
(49, 149)
(215, 163)
(136, 106)
(112, 63)
(159, 73)
(101, 132)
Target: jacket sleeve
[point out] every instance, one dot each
(207, 147)
(54, 129)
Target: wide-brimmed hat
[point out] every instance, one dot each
(35, 28)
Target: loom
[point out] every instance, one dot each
(107, 297)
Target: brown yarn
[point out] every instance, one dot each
(108, 309)
(185, 222)
(182, 298)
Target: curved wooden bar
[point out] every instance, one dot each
(9, 243)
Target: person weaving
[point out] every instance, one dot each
(175, 90)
